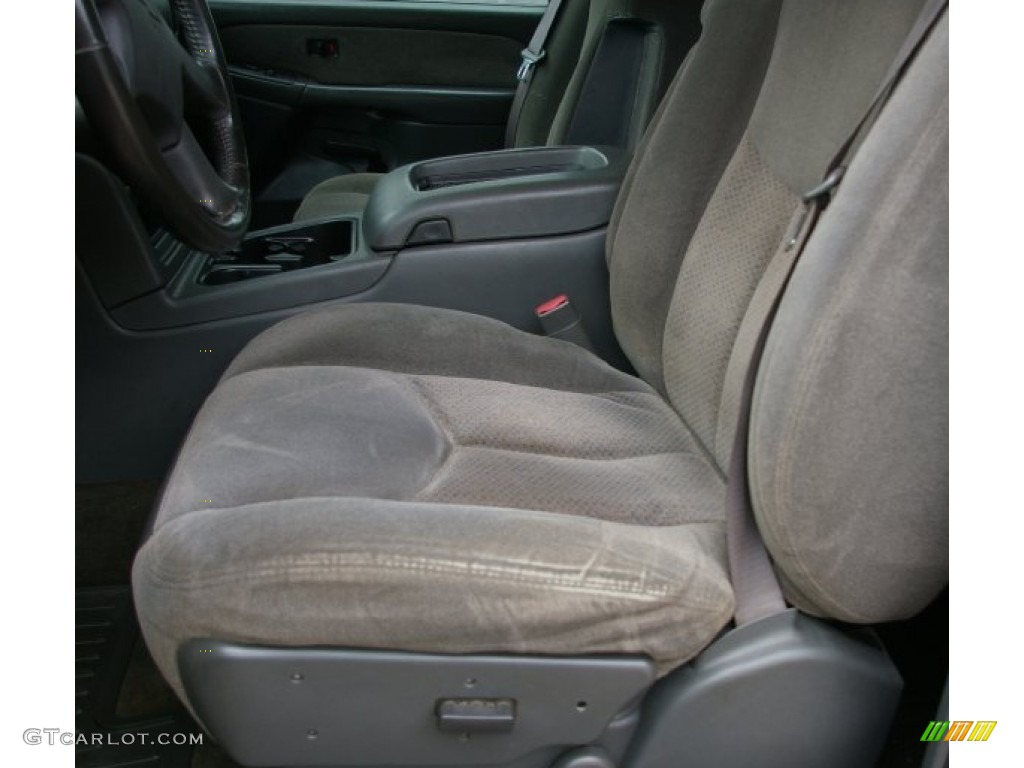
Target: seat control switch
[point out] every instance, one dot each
(476, 715)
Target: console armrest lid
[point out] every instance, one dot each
(505, 195)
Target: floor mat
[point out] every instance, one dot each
(123, 716)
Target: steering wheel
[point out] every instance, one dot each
(166, 115)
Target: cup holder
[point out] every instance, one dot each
(281, 249)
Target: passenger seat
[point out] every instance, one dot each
(442, 502)
(607, 65)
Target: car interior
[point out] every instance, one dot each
(514, 384)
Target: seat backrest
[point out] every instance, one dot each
(608, 64)
(847, 450)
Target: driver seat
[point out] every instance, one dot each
(413, 479)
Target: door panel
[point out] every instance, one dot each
(327, 88)
(379, 57)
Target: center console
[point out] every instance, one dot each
(494, 233)
(273, 252)
(515, 194)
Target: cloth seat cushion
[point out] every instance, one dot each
(338, 196)
(402, 477)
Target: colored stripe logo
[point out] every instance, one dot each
(959, 730)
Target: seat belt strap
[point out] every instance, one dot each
(531, 55)
(755, 585)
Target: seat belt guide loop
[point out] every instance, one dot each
(818, 197)
(823, 192)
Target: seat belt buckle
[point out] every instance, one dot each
(560, 320)
(529, 61)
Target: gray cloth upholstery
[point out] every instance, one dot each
(415, 478)
(818, 83)
(740, 231)
(683, 154)
(337, 196)
(425, 341)
(858, 525)
(561, 503)
(555, 89)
